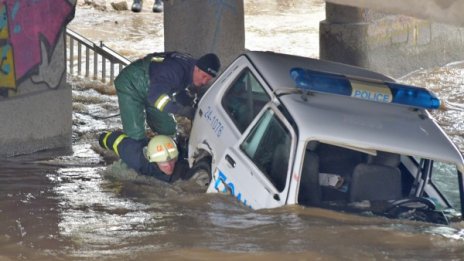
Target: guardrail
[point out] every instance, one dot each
(85, 58)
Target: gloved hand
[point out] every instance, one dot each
(183, 128)
(187, 112)
(184, 98)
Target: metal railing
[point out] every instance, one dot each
(85, 58)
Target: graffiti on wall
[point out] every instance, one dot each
(31, 45)
(7, 76)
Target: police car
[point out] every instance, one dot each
(277, 130)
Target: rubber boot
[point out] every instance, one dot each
(137, 6)
(158, 6)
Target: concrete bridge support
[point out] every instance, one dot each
(35, 100)
(391, 44)
(203, 26)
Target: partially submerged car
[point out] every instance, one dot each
(277, 129)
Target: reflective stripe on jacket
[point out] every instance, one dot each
(169, 75)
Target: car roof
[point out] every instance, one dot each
(370, 125)
(354, 122)
(275, 68)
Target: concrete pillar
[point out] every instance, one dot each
(391, 44)
(35, 100)
(342, 35)
(203, 26)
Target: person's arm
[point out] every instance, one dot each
(181, 171)
(166, 79)
(131, 153)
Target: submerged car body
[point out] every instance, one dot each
(270, 135)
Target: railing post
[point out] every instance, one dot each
(95, 64)
(111, 72)
(71, 55)
(87, 61)
(103, 69)
(79, 57)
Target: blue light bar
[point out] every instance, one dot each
(372, 90)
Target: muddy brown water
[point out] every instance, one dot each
(82, 207)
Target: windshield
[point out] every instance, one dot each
(445, 178)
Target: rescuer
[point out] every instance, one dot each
(161, 85)
(157, 157)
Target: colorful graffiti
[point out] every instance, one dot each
(7, 76)
(26, 28)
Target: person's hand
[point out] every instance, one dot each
(184, 126)
(184, 98)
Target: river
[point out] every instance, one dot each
(82, 206)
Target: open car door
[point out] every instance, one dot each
(256, 169)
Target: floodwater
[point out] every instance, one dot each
(82, 206)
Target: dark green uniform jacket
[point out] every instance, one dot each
(152, 88)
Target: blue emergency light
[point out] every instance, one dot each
(379, 91)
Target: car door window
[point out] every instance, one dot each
(268, 146)
(444, 176)
(244, 99)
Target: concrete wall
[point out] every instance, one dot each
(391, 44)
(203, 26)
(443, 11)
(35, 100)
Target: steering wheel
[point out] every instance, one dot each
(426, 203)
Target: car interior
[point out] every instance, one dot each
(385, 184)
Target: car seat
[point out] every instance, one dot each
(279, 165)
(378, 179)
(310, 191)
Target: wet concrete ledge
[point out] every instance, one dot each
(36, 121)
